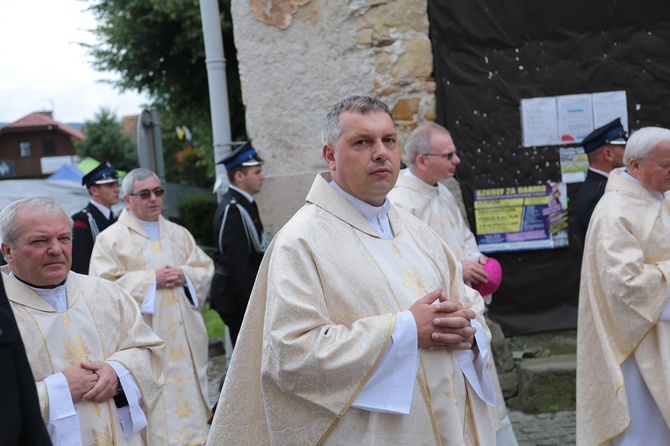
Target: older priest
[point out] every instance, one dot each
(96, 364)
(159, 263)
(623, 348)
(359, 329)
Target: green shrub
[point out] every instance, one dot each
(197, 214)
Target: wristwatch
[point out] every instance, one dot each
(120, 397)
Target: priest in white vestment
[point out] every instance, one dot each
(97, 365)
(431, 155)
(160, 265)
(623, 333)
(359, 329)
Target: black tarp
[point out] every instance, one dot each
(490, 54)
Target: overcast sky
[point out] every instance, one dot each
(43, 68)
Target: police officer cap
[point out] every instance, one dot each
(610, 133)
(102, 174)
(244, 155)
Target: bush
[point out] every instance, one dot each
(197, 215)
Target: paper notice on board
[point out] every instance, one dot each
(574, 164)
(575, 117)
(539, 125)
(609, 105)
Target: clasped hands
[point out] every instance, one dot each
(92, 380)
(443, 325)
(170, 277)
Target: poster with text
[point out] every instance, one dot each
(520, 218)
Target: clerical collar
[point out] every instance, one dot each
(246, 194)
(54, 296)
(603, 173)
(103, 209)
(409, 173)
(377, 216)
(151, 228)
(659, 195)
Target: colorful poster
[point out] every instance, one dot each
(574, 164)
(521, 217)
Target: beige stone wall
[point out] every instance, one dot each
(299, 57)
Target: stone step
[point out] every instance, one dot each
(545, 384)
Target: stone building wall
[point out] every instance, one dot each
(297, 58)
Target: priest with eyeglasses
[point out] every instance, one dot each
(160, 265)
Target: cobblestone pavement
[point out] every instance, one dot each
(546, 429)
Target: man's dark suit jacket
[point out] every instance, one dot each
(590, 193)
(21, 422)
(236, 260)
(82, 237)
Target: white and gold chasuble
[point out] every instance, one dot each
(437, 207)
(101, 323)
(319, 320)
(623, 291)
(124, 254)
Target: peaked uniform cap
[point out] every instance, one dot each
(245, 155)
(102, 174)
(610, 133)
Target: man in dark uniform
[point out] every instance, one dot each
(103, 187)
(238, 235)
(21, 421)
(604, 148)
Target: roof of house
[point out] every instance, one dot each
(40, 121)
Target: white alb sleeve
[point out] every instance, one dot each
(63, 420)
(391, 385)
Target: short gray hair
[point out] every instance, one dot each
(332, 129)
(419, 141)
(139, 174)
(642, 143)
(10, 229)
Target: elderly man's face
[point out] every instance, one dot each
(655, 173)
(366, 160)
(42, 254)
(149, 207)
(442, 160)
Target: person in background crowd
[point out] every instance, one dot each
(604, 148)
(21, 421)
(355, 298)
(96, 364)
(239, 238)
(103, 187)
(432, 157)
(623, 332)
(160, 265)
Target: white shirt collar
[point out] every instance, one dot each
(411, 174)
(246, 194)
(377, 216)
(605, 174)
(105, 210)
(56, 297)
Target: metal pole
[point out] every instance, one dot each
(218, 96)
(216, 79)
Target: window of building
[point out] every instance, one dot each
(48, 147)
(26, 149)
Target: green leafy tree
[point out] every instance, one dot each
(157, 47)
(104, 139)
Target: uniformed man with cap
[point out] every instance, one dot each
(103, 187)
(238, 235)
(604, 148)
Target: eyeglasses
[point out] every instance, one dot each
(146, 194)
(448, 156)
